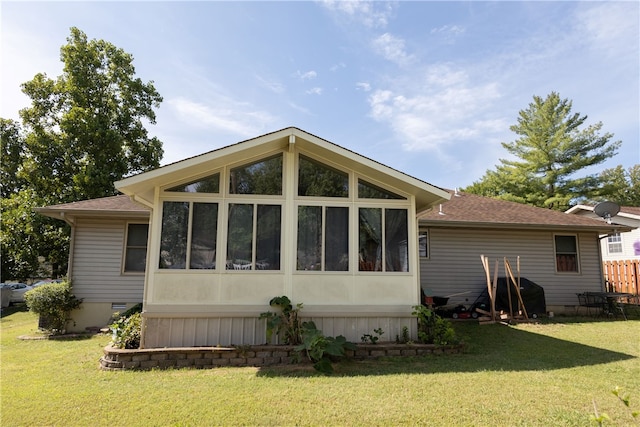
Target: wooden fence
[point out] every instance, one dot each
(622, 276)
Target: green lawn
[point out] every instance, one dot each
(547, 374)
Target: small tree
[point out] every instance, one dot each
(54, 302)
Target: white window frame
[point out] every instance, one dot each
(577, 253)
(424, 232)
(126, 247)
(614, 240)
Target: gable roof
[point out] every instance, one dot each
(470, 210)
(141, 186)
(632, 212)
(120, 206)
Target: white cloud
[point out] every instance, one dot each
(608, 27)
(314, 91)
(392, 48)
(273, 86)
(363, 86)
(370, 14)
(227, 116)
(448, 29)
(441, 109)
(338, 66)
(309, 75)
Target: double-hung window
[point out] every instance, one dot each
(614, 243)
(135, 257)
(566, 247)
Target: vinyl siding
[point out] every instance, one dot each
(97, 263)
(454, 264)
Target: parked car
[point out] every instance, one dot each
(17, 291)
(45, 282)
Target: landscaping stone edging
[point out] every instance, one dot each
(115, 359)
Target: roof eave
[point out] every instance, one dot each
(604, 229)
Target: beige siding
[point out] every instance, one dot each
(97, 263)
(454, 265)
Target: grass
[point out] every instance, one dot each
(527, 375)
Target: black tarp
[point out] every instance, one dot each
(532, 296)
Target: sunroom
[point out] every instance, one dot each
(288, 214)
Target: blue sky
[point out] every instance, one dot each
(429, 88)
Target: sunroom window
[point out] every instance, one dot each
(261, 177)
(209, 184)
(323, 238)
(383, 240)
(367, 190)
(318, 179)
(254, 237)
(178, 248)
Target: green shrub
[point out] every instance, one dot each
(433, 329)
(53, 302)
(126, 331)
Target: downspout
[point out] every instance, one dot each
(72, 243)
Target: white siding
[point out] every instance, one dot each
(629, 242)
(97, 263)
(454, 265)
(212, 331)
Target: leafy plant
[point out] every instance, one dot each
(54, 303)
(371, 338)
(126, 331)
(404, 338)
(285, 323)
(433, 329)
(320, 349)
(600, 418)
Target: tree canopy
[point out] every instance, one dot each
(83, 131)
(547, 158)
(621, 186)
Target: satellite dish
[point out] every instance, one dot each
(606, 210)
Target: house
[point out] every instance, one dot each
(620, 250)
(107, 255)
(205, 243)
(286, 213)
(617, 246)
(559, 252)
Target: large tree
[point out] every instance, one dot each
(83, 131)
(12, 142)
(547, 158)
(621, 186)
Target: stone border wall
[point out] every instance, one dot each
(115, 359)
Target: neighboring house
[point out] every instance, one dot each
(291, 214)
(559, 252)
(621, 245)
(620, 250)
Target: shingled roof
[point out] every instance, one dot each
(470, 210)
(114, 206)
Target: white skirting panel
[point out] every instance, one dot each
(227, 331)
